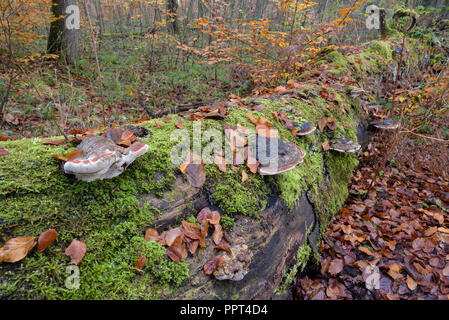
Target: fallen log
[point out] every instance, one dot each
(266, 217)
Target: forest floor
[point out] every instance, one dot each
(399, 225)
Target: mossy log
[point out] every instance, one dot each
(273, 216)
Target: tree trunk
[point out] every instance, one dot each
(63, 38)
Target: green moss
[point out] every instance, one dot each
(234, 197)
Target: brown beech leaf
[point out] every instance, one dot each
(326, 146)
(158, 125)
(251, 118)
(191, 230)
(196, 174)
(335, 266)
(166, 120)
(124, 143)
(75, 154)
(128, 135)
(151, 235)
(179, 124)
(115, 135)
(244, 176)
(178, 249)
(46, 239)
(3, 153)
(220, 162)
(57, 142)
(213, 264)
(16, 249)
(76, 251)
(193, 246)
(331, 124)
(217, 236)
(204, 231)
(4, 138)
(140, 263)
(224, 247)
(169, 237)
(57, 156)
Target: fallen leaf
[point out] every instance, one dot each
(75, 154)
(179, 124)
(326, 146)
(151, 235)
(16, 249)
(3, 153)
(213, 264)
(220, 162)
(57, 156)
(196, 174)
(58, 142)
(76, 251)
(244, 176)
(193, 246)
(411, 284)
(140, 263)
(335, 266)
(46, 239)
(217, 236)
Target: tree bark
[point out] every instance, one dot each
(63, 40)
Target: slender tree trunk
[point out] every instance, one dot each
(63, 38)
(172, 19)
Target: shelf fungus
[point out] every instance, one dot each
(275, 156)
(387, 124)
(344, 145)
(103, 159)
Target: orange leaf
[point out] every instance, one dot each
(76, 251)
(58, 142)
(46, 239)
(244, 176)
(3, 153)
(57, 156)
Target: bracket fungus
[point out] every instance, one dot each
(103, 159)
(275, 160)
(344, 145)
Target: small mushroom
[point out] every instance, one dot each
(344, 145)
(275, 161)
(387, 124)
(103, 159)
